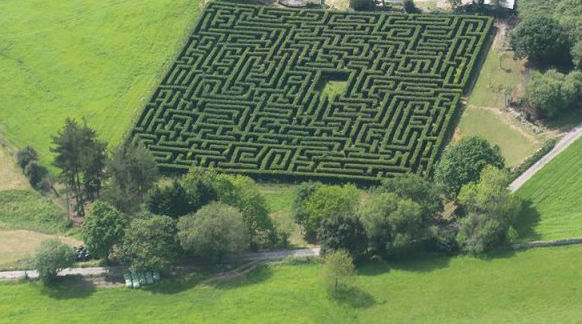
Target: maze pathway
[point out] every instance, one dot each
(245, 94)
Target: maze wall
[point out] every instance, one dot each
(244, 95)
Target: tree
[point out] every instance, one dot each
(169, 200)
(552, 92)
(462, 162)
(394, 225)
(490, 210)
(81, 158)
(199, 185)
(361, 4)
(410, 7)
(324, 202)
(576, 53)
(103, 227)
(243, 193)
(133, 172)
(51, 257)
(302, 194)
(455, 3)
(215, 229)
(25, 156)
(150, 244)
(542, 40)
(416, 188)
(338, 268)
(342, 232)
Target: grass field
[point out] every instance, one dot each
(28, 210)
(10, 174)
(534, 286)
(98, 60)
(554, 195)
(498, 127)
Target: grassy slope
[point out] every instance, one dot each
(540, 285)
(10, 174)
(555, 194)
(84, 59)
(28, 210)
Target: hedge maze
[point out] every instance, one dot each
(245, 94)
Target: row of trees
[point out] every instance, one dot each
(404, 214)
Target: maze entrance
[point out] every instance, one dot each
(245, 94)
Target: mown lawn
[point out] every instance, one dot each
(93, 59)
(535, 286)
(516, 142)
(554, 198)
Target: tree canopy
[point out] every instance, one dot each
(103, 227)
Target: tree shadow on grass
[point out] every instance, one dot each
(257, 275)
(425, 262)
(353, 297)
(69, 287)
(526, 222)
(176, 285)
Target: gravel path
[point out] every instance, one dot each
(568, 139)
(101, 271)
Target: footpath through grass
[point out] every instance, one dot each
(534, 286)
(98, 60)
(554, 198)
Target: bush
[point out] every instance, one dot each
(542, 40)
(444, 238)
(199, 185)
(362, 4)
(341, 232)
(25, 156)
(35, 174)
(463, 161)
(51, 257)
(214, 230)
(150, 244)
(532, 159)
(416, 188)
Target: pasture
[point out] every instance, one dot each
(534, 286)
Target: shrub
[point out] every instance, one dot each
(35, 174)
(361, 4)
(214, 230)
(51, 257)
(410, 7)
(416, 188)
(341, 232)
(25, 156)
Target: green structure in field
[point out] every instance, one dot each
(313, 94)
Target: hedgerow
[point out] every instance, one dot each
(245, 94)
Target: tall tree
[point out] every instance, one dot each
(416, 188)
(462, 162)
(542, 40)
(81, 158)
(103, 227)
(343, 232)
(133, 172)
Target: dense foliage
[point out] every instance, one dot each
(172, 200)
(51, 257)
(150, 244)
(553, 92)
(103, 227)
(338, 268)
(463, 161)
(343, 232)
(214, 230)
